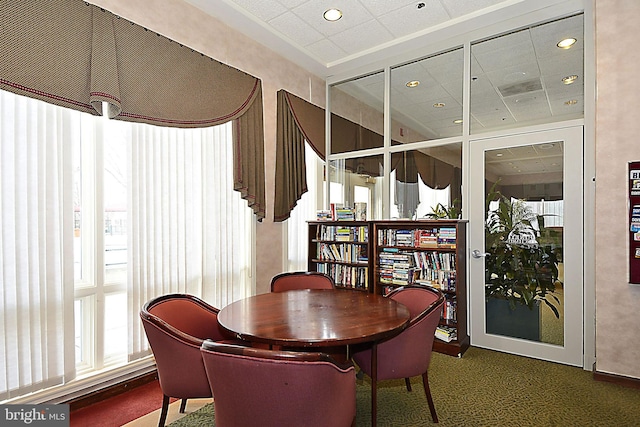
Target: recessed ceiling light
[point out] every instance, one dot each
(499, 155)
(457, 121)
(332, 14)
(438, 105)
(566, 43)
(571, 102)
(569, 79)
(413, 83)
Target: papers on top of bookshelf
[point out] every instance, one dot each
(324, 215)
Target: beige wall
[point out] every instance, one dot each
(186, 24)
(617, 143)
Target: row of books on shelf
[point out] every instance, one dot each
(446, 333)
(432, 260)
(346, 275)
(343, 234)
(444, 281)
(425, 268)
(449, 311)
(439, 237)
(343, 252)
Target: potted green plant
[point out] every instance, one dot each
(441, 211)
(520, 270)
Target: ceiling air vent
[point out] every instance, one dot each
(520, 88)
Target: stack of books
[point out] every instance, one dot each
(404, 238)
(446, 333)
(447, 237)
(324, 215)
(344, 214)
(427, 238)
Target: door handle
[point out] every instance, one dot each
(477, 254)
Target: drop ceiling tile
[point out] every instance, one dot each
(503, 44)
(514, 74)
(481, 87)
(409, 19)
(569, 62)
(296, 29)
(379, 8)
(545, 37)
(558, 90)
(499, 59)
(532, 114)
(450, 130)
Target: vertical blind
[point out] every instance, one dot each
(36, 278)
(189, 231)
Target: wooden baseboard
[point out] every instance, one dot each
(114, 390)
(617, 379)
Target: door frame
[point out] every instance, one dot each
(572, 352)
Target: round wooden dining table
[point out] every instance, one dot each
(315, 318)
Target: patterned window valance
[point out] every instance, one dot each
(76, 55)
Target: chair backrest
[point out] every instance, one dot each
(176, 326)
(409, 353)
(253, 386)
(301, 280)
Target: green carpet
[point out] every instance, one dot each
(488, 388)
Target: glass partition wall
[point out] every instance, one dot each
(410, 139)
(414, 169)
(425, 104)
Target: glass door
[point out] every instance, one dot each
(526, 246)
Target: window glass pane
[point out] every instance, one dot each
(115, 327)
(357, 180)
(524, 78)
(77, 209)
(305, 210)
(115, 201)
(84, 310)
(357, 114)
(426, 98)
(427, 183)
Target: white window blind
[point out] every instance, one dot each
(183, 229)
(36, 278)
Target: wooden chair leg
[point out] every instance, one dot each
(427, 391)
(165, 409)
(407, 381)
(183, 406)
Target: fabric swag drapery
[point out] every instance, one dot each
(299, 120)
(76, 55)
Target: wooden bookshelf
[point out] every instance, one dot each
(341, 249)
(430, 253)
(377, 256)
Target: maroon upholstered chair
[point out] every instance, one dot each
(409, 353)
(301, 280)
(176, 325)
(253, 386)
